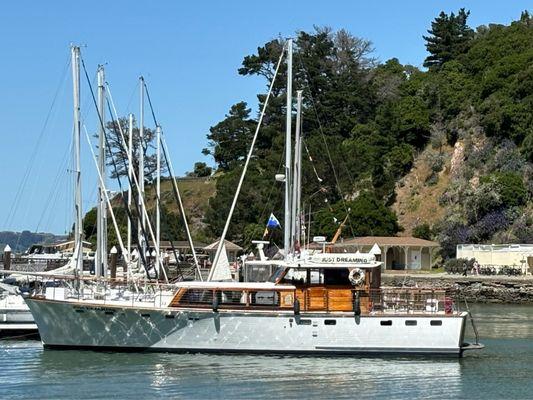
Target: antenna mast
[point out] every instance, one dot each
(78, 222)
(288, 151)
(101, 211)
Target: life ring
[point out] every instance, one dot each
(357, 276)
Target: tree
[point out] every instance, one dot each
(200, 170)
(230, 138)
(117, 156)
(450, 36)
(368, 216)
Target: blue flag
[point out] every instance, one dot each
(273, 222)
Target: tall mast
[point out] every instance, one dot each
(158, 205)
(288, 151)
(78, 223)
(101, 211)
(297, 173)
(142, 245)
(130, 176)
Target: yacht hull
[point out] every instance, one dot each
(64, 324)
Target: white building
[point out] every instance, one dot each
(520, 255)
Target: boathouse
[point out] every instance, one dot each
(396, 253)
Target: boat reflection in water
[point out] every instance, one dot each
(203, 376)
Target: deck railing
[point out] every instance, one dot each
(310, 299)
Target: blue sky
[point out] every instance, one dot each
(189, 52)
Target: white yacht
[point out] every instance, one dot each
(329, 304)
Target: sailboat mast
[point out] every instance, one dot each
(78, 222)
(101, 211)
(158, 205)
(297, 183)
(288, 151)
(141, 169)
(130, 175)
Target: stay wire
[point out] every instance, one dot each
(128, 212)
(167, 162)
(29, 168)
(326, 144)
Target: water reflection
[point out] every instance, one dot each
(200, 375)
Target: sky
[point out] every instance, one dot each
(188, 52)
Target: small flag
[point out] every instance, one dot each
(273, 222)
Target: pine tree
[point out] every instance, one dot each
(450, 36)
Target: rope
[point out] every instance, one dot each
(326, 144)
(20, 190)
(112, 158)
(175, 189)
(230, 215)
(123, 145)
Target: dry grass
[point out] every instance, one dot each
(416, 201)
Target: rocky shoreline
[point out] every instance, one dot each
(475, 289)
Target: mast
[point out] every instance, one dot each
(288, 151)
(101, 211)
(130, 173)
(141, 243)
(78, 222)
(158, 205)
(297, 184)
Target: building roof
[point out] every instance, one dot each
(230, 246)
(179, 244)
(387, 241)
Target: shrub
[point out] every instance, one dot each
(423, 231)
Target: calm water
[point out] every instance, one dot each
(503, 370)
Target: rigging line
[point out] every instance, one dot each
(308, 78)
(175, 189)
(177, 196)
(143, 259)
(134, 91)
(249, 156)
(36, 148)
(326, 145)
(122, 142)
(54, 188)
(311, 160)
(267, 203)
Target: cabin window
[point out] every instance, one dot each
(170, 316)
(316, 276)
(410, 322)
(387, 322)
(80, 311)
(145, 315)
(109, 313)
(304, 322)
(330, 322)
(435, 322)
(336, 276)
